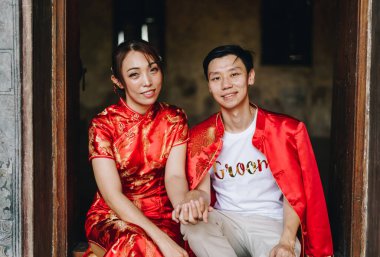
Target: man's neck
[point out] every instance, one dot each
(238, 119)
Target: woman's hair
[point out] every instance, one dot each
(134, 45)
(221, 51)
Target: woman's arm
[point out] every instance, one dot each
(109, 184)
(175, 176)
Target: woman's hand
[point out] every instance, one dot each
(169, 248)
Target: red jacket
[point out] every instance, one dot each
(286, 144)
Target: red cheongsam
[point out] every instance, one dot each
(140, 145)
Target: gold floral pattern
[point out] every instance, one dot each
(140, 145)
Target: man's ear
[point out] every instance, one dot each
(117, 82)
(251, 77)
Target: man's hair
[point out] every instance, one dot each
(220, 51)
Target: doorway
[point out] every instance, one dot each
(299, 88)
(186, 86)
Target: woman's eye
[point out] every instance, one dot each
(134, 75)
(154, 70)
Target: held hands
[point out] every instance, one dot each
(193, 209)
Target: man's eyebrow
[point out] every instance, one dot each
(213, 72)
(235, 68)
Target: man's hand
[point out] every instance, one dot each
(282, 250)
(194, 209)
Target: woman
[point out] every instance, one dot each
(137, 149)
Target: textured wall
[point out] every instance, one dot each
(195, 27)
(95, 50)
(10, 171)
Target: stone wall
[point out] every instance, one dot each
(10, 130)
(96, 33)
(195, 27)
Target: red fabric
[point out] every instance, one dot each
(286, 144)
(140, 145)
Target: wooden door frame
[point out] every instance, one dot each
(45, 122)
(349, 129)
(373, 219)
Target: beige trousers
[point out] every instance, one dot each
(230, 234)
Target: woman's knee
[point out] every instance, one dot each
(97, 250)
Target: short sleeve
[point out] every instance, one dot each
(100, 140)
(182, 129)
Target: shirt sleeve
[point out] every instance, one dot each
(182, 129)
(100, 140)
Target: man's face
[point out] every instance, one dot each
(228, 81)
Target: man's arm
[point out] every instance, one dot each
(196, 204)
(285, 247)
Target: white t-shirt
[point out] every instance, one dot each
(242, 179)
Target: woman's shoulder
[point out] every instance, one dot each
(106, 116)
(172, 110)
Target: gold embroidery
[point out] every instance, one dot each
(202, 140)
(173, 119)
(150, 249)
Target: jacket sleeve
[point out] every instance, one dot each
(317, 234)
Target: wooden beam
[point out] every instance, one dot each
(361, 143)
(42, 128)
(373, 235)
(349, 130)
(59, 128)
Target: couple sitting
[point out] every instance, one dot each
(250, 183)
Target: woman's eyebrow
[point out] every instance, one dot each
(152, 63)
(133, 68)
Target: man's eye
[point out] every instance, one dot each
(215, 78)
(235, 74)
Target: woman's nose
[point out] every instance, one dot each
(147, 80)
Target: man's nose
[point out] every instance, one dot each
(226, 83)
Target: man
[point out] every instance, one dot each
(261, 168)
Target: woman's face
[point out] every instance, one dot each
(143, 81)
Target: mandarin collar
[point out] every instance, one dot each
(132, 113)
